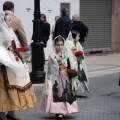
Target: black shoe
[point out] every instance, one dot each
(59, 116)
(0, 118)
(11, 118)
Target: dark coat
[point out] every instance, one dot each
(81, 28)
(45, 32)
(63, 26)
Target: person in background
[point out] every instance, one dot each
(45, 29)
(17, 26)
(74, 46)
(53, 27)
(63, 25)
(80, 27)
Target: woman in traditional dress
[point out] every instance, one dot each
(16, 91)
(58, 97)
(72, 44)
(8, 21)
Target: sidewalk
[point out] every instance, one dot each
(102, 64)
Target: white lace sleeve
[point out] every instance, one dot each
(65, 56)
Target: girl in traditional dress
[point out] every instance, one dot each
(16, 91)
(57, 97)
(72, 44)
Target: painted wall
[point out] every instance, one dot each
(49, 7)
(116, 25)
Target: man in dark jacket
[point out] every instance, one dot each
(63, 25)
(80, 27)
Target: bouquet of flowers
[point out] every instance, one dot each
(22, 49)
(73, 74)
(25, 54)
(26, 57)
(79, 55)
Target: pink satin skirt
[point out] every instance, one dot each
(49, 106)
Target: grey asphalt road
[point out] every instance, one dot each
(102, 103)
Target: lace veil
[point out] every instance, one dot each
(6, 57)
(65, 49)
(6, 36)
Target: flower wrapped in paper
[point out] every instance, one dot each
(25, 54)
(73, 75)
(26, 57)
(22, 49)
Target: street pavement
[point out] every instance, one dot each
(103, 101)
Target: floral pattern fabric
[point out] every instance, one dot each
(11, 99)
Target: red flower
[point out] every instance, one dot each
(72, 73)
(78, 53)
(22, 49)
